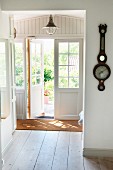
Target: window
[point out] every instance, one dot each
(19, 64)
(4, 79)
(36, 62)
(68, 65)
(2, 64)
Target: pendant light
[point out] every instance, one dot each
(50, 27)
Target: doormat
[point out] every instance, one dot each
(44, 117)
(49, 125)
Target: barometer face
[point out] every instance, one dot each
(102, 72)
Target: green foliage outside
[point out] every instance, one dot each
(64, 82)
(49, 73)
(19, 70)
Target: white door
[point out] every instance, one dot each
(4, 79)
(20, 79)
(13, 85)
(68, 79)
(36, 78)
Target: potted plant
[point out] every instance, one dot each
(46, 96)
(47, 77)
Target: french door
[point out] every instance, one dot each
(7, 87)
(36, 78)
(13, 85)
(68, 78)
(4, 79)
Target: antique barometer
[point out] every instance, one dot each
(102, 71)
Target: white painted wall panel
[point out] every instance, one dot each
(45, 21)
(75, 26)
(78, 26)
(26, 28)
(37, 26)
(19, 28)
(68, 106)
(22, 29)
(59, 23)
(20, 104)
(4, 103)
(69, 26)
(82, 27)
(4, 28)
(6, 132)
(41, 25)
(30, 27)
(33, 26)
(63, 26)
(11, 21)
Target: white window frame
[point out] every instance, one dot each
(24, 64)
(68, 65)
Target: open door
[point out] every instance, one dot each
(4, 79)
(36, 78)
(68, 79)
(13, 85)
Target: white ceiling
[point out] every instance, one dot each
(29, 14)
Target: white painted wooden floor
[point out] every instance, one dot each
(50, 150)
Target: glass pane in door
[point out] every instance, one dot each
(68, 64)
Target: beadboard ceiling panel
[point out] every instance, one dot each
(69, 26)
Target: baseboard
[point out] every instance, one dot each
(67, 117)
(5, 151)
(98, 152)
(7, 147)
(2, 162)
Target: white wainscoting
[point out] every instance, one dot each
(20, 104)
(5, 103)
(68, 105)
(69, 26)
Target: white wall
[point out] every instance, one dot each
(0, 117)
(6, 124)
(0, 135)
(4, 29)
(6, 132)
(98, 105)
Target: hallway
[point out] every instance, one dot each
(50, 150)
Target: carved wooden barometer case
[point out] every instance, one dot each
(102, 71)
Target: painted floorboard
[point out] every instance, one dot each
(50, 150)
(27, 157)
(75, 158)
(60, 161)
(45, 159)
(15, 149)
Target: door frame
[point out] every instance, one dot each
(55, 39)
(80, 89)
(13, 85)
(8, 83)
(22, 89)
(41, 85)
